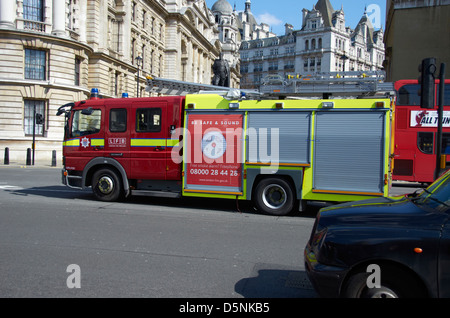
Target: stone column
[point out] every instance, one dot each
(59, 18)
(7, 14)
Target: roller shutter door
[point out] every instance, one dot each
(349, 151)
(291, 130)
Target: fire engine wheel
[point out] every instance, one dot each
(274, 196)
(106, 185)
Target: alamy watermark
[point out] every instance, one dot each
(374, 279)
(265, 149)
(374, 13)
(74, 279)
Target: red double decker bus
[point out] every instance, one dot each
(416, 133)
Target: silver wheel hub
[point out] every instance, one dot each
(274, 196)
(106, 185)
(383, 292)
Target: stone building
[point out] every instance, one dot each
(229, 37)
(54, 51)
(323, 44)
(416, 30)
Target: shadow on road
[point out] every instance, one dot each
(276, 283)
(235, 206)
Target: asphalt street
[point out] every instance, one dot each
(144, 247)
(60, 242)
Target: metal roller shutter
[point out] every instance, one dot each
(293, 137)
(348, 151)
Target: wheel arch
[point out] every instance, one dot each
(103, 162)
(392, 267)
(293, 177)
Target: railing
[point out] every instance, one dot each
(31, 25)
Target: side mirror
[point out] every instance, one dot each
(61, 109)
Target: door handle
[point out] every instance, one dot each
(116, 154)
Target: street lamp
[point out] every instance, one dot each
(139, 64)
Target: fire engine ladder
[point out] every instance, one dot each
(180, 88)
(325, 85)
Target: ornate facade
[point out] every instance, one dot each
(323, 44)
(55, 51)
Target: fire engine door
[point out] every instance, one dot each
(117, 136)
(87, 133)
(149, 140)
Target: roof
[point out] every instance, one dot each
(222, 6)
(326, 9)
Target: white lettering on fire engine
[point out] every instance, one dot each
(117, 142)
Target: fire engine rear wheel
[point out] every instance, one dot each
(106, 185)
(274, 196)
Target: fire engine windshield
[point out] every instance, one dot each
(86, 124)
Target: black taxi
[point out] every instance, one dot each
(390, 247)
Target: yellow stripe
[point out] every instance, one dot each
(72, 143)
(172, 142)
(148, 142)
(97, 142)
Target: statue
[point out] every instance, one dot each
(221, 71)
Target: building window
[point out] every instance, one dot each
(77, 71)
(133, 11)
(133, 49)
(35, 64)
(33, 10)
(30, 106)
(144, 19)
(273, 66)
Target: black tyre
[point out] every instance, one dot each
(274, 196)
(106, 185)
(394, 284)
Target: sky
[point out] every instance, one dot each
(278, 13)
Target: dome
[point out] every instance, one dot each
(222, 6)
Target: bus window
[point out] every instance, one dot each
(446, 144)
(408, 95)
(425, 142)
(446, 94)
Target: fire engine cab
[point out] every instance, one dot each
(276, 152)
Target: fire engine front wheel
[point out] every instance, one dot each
(274, 196)
(106, 185)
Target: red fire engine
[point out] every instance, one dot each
(415, 133)
(274, 152)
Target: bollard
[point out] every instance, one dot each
(28, 156)
(6, 158)
(54, 158)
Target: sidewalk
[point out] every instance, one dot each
(37, 164)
